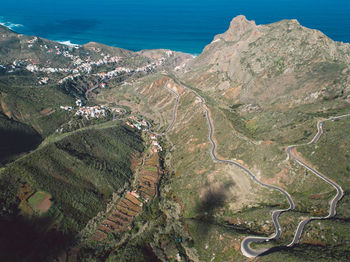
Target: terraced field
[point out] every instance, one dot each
(145, 189)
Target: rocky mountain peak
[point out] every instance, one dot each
(239, 26)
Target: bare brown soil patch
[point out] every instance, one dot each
(45, 205)
(233, 92)
(131, 205)
(5, 108)
(314, 242)
(317, 196)
(281, 179)
(25, 191)
(47, 111)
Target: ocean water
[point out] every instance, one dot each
(182, 25)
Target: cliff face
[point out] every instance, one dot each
(280, 61)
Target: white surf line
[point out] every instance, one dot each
(337, 197)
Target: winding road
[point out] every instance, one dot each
(340, 192)
(245, 244)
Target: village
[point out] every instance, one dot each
(134, 122)
(100, 111)
(80, 66)
(96, 111)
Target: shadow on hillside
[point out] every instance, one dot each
(29, 240)
(210, 204)
(309, 252)
(277, 249)
(15, 142)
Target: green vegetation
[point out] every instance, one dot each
(238, 122)
(267, 95)
(37, 198)
(16, 138)
(37, 107)
(151, 168)
(80, 171)
(215, 242)
(333, 147)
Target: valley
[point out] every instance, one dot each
(157, 155)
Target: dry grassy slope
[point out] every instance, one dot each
(203, 189)
(197, 177)
(281, 77)
(174, 58)
(278, 79)
(282, 62)
(114, 51)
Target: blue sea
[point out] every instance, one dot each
(182, 25)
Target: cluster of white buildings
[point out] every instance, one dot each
(91, 112)
(155, 145)
(12, 67)
(81, 66)
(86, 65)
(135, 123)
(67, 108)
(43, 81)
(120, 70)
(94, 111)
(35, 68)
(178, 68)
(32, 41)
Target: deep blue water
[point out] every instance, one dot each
(184, 25)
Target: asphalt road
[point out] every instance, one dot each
(337, 197)
(245, 244)
(92, 88)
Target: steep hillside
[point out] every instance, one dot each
(221, 123)
(38, 77)
(15, 139)
(265, 87)
(55, 190)
(279, 63)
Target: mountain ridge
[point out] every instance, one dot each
(260, 55)
(263, 87)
